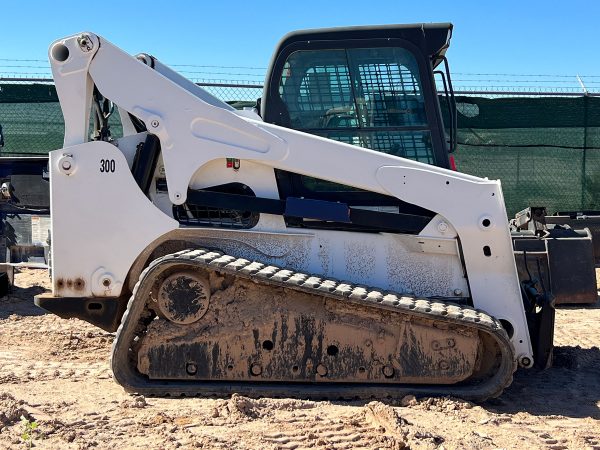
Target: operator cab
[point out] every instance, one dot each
(368, 86)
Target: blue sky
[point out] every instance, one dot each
(515, 37)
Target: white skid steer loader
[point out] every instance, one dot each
(181, 236)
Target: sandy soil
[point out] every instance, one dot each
(55, 372)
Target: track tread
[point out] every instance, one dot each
(313, 284)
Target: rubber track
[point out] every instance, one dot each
(126, 374)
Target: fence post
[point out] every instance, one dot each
(585, 145)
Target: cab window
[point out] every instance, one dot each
(370, 97)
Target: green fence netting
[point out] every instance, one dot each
(32, 121)
(544, 149)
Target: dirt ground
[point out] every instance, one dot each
(55, 374)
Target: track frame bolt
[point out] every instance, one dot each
(255, 369)
(525, 361)
(191, 368)
(388, 371)
(322, 370)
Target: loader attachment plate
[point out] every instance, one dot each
(273, 332)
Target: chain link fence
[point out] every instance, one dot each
(544, 145)
(30, 117)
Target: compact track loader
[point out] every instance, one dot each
(212, 242)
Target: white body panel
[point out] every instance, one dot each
(95, 232)
(196, 132)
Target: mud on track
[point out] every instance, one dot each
(55, 372)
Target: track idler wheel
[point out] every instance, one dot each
(183, 297)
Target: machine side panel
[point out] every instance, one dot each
(101, 220)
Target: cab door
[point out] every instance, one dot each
(380, 97)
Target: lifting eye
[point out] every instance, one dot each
(487, 251)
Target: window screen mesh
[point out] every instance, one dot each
(315, 87)
(388, 86)
(406, 144)
(369, 97)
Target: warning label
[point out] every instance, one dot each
(40, 230)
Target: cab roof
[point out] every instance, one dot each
(432, 38)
